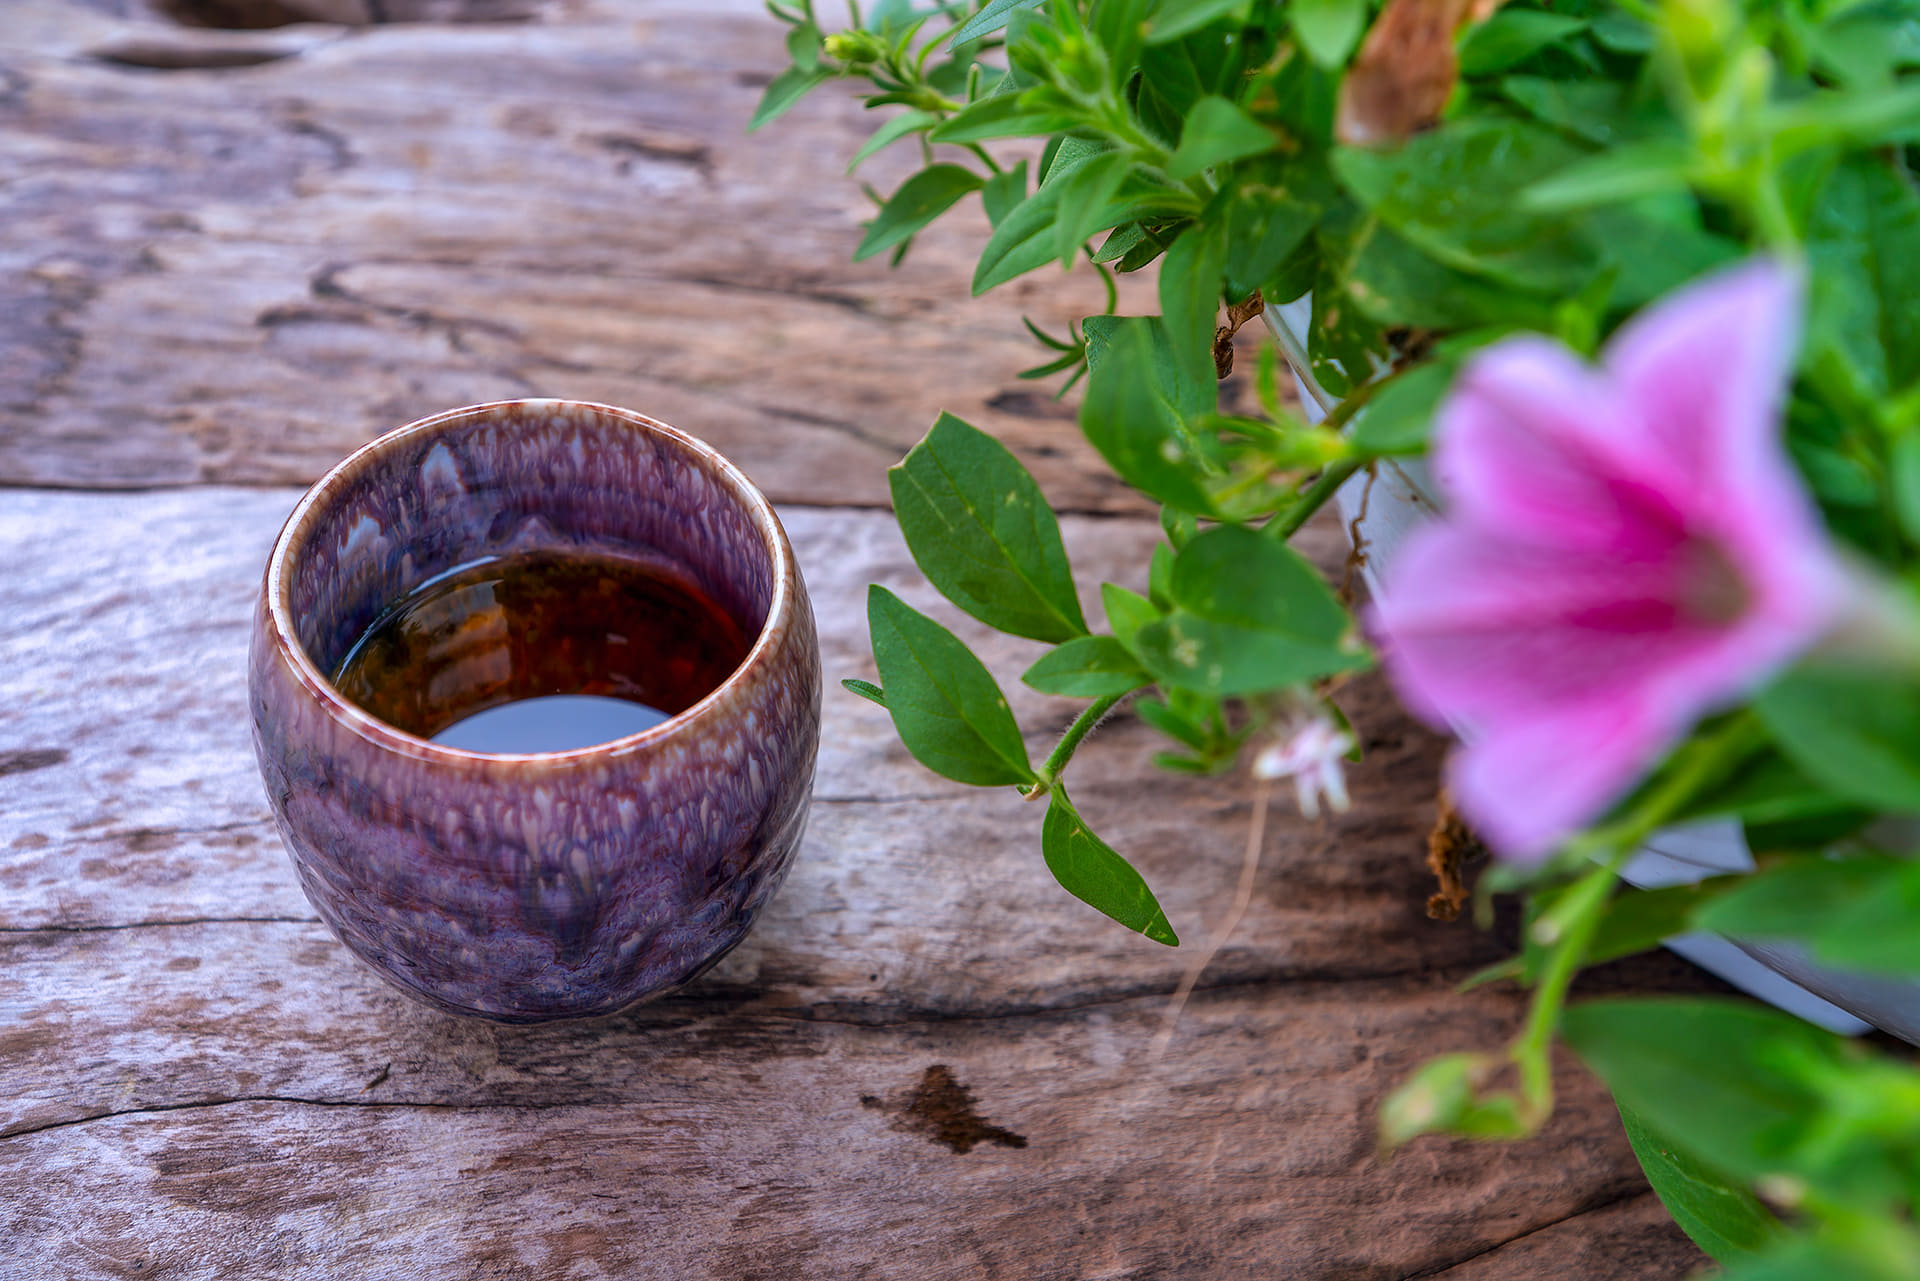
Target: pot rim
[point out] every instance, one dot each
(294, 534)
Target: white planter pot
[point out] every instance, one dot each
(1402, 499)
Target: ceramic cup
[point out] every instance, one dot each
(522, 888)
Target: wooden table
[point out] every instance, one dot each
(927, 1061)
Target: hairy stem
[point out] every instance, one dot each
(1083, 724)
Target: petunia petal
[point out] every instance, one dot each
(1707, 370)
(1525, 445)
(1478, 627)
(1526, 787)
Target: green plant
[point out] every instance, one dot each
(1549, 167)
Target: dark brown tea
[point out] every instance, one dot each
(541, 652)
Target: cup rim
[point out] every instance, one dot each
(382, 734)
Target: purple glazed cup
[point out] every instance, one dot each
(522, 888)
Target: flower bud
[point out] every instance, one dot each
(854, 48)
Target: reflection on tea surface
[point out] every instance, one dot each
(541, 652)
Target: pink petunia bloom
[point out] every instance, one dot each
(1626, 548)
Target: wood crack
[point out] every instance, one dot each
(199, 1105)
(1605, 1203)
(901, 1016)
(833, 298)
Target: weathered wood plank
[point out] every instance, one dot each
(240, 274)
(752, 1146)
(1633, 1236)
(723, 1128)
(126, 691)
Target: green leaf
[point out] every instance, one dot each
(993, 16)
(981, 531)
(1083, 199)
(1251, 614)
(1904, 477)
(1118, 27)
(1137, 408)
(1089, 869)
(865, 689)
(1861, 118)
(1769, 789)
(1004, 192)
(1856, 731)
(1216, 133)
(803, 45)
(1002, 116)
(1399, 415)
(1122, 241)
(1705, 1072)
(1236, 575)
(907, 122)
(1160, 574)
(1191, 275)
(1639, 920)
(945, 705)
(1594, 110)
(1790, 900)
(1177, 18)
(1856, 912)
(1273, 206)
(1127, 612)
(1389, 282)
(1021, 241)
(1452, 193)
(920, 200)
(1444, 1096)
(786, 89)
(1610, 177)
(1087, 667)
(1722, 1217)
(1864, 241)
(1511, 37)
(1164, 718)
(1800, 1258)
(1876, 932)
(1328, 29)
(1024, 239)
(1621, 32)
(1864, 46)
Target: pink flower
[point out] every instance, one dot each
(1626, 548)
(1309, 754)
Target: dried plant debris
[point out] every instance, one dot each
(1405, 71)
(1450, 847)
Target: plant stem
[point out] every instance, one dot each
(985, 159)
(1568, 927)
(1701, 763)
(1578, 916)
(1082, 726)
(1287, 523)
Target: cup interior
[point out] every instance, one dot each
(510, 479)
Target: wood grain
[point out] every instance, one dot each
(177, 1024)
(239, 274)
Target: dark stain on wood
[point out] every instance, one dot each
(25, 761)
(942, 1109)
